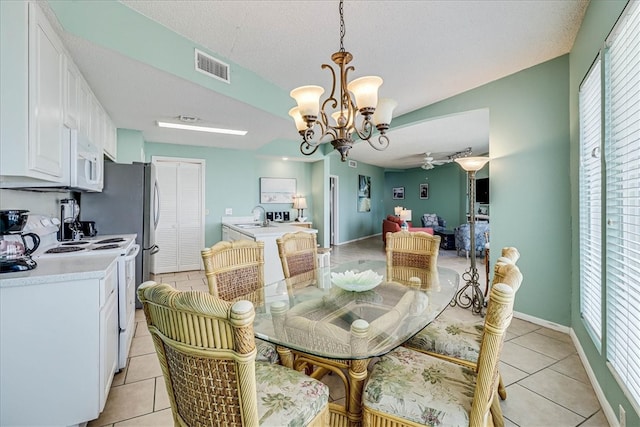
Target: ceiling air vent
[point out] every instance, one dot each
(211, 66)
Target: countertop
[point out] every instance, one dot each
(59, 269)
(274, 229)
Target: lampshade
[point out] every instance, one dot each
(384, 111)
(472, 164)
(405, 214)
(397, 210)
(300, 203)
(365, 90)
(297, 118)
(308, 99)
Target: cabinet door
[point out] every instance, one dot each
(84, 108)
(46, 83)
(110, 139)
(109, 331)
(71, 97)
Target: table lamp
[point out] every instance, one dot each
(300, 203)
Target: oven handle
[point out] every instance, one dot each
(132, 253)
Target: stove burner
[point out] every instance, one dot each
(81, 242)
(113, 246)
(113, 240)
(64, 249)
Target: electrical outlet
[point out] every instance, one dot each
(622, 416)
(228, 211)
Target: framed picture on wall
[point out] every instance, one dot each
(364, 193)
(398, 193)
(424, 191)
(277, 190)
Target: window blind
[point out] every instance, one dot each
(590, 185)
(622, 160)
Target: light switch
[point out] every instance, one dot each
(228, 211)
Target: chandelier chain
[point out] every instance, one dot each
(343, 29)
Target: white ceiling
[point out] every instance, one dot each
(425, 51)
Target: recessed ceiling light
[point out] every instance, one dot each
(285, 158)
(201, 128)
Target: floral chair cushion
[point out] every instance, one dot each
(287, 397)
(421, 388)
(450, 337)
(266, 352)
(463, 237)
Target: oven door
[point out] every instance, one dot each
(126, 302)
(86, 164)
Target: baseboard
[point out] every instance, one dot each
(608, 411)
(358, 239)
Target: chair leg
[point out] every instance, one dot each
(496, 413)
(502, 391)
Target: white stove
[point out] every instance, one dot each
(122, 246)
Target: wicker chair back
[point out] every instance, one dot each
(299, 257)
(207, 354)
(413, 254)
(235, 270)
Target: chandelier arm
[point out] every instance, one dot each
(381, 144)
(366, 131)
(308, 149)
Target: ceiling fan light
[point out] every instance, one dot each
(308, 99)
(384, 111)
(301, 125)
(365, 90)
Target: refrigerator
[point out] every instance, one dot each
(129, 203)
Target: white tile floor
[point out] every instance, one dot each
(546, 382)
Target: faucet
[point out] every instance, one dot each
(265, 221)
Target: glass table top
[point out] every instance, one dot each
(318, 317)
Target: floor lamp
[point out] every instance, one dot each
(476, 300)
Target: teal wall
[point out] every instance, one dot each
(529, 150)
(598, 22)
(354, 225)
(130, 146)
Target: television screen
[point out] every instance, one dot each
(482, 190)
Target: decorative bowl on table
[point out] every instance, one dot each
(356, 281)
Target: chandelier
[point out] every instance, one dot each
(352, 109)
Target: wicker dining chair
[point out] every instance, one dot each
(412, 254)
(458, 341)
(207, 353)
(299, 256)
(409, 388)
(235, 271)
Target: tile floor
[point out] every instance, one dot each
(546, 382)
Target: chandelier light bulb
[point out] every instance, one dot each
(301, 125)
(384, 111)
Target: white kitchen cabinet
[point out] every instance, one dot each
(109, 334)
(42, 93)
(59, 335)
(31, 86)
(71, 96)
(110, 141)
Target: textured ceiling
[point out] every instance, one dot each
(425, 51)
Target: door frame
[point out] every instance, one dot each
(334, 209)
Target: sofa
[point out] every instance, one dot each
(463, 238)
(392, 224)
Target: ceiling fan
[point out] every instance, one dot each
(428, 162)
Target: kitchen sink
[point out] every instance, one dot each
(253, 225)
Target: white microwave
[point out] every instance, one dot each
(86, 164)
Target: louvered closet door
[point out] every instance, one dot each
(180, 233)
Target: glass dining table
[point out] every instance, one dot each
(345, 316)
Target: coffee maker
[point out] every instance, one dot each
(14, 250)
(70, 228)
